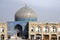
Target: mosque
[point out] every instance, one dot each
(26, 26)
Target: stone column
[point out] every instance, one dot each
(42, 32)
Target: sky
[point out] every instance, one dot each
(46, 10)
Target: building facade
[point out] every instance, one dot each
(44, 31)
(36, 30)
(3, 31)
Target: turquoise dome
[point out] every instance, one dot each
(25, 14)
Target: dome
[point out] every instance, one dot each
(25, 13)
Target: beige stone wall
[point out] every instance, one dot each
(34, 24)
(42, 25)
(3, 25)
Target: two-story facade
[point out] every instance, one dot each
(44, 31)
(3, 31)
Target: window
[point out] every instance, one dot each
(46, 29)
(38, 29)
(54, 29)
(2, 29)
(32, 29)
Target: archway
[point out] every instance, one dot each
(53, 37)
(2, 37)
(38, 37)
(32, 37)
(46, 37)
(59, 38)
(18, 28)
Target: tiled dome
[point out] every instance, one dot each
(25, 12)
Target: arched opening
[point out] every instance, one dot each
(18, 29)
(2, 29)
(32, 37)
(38, 29)
(32, 29)
(54, 29)
(46, 29)
(9, 37)
(38, 37)
(53, 37)
(2, 37)
(46, 37)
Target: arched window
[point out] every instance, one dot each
(32, 29)
(2, 29)
(46, 29)
(54, 29)
(38, 29)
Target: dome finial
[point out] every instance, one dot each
(25, 5)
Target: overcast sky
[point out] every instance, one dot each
(46, 10)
